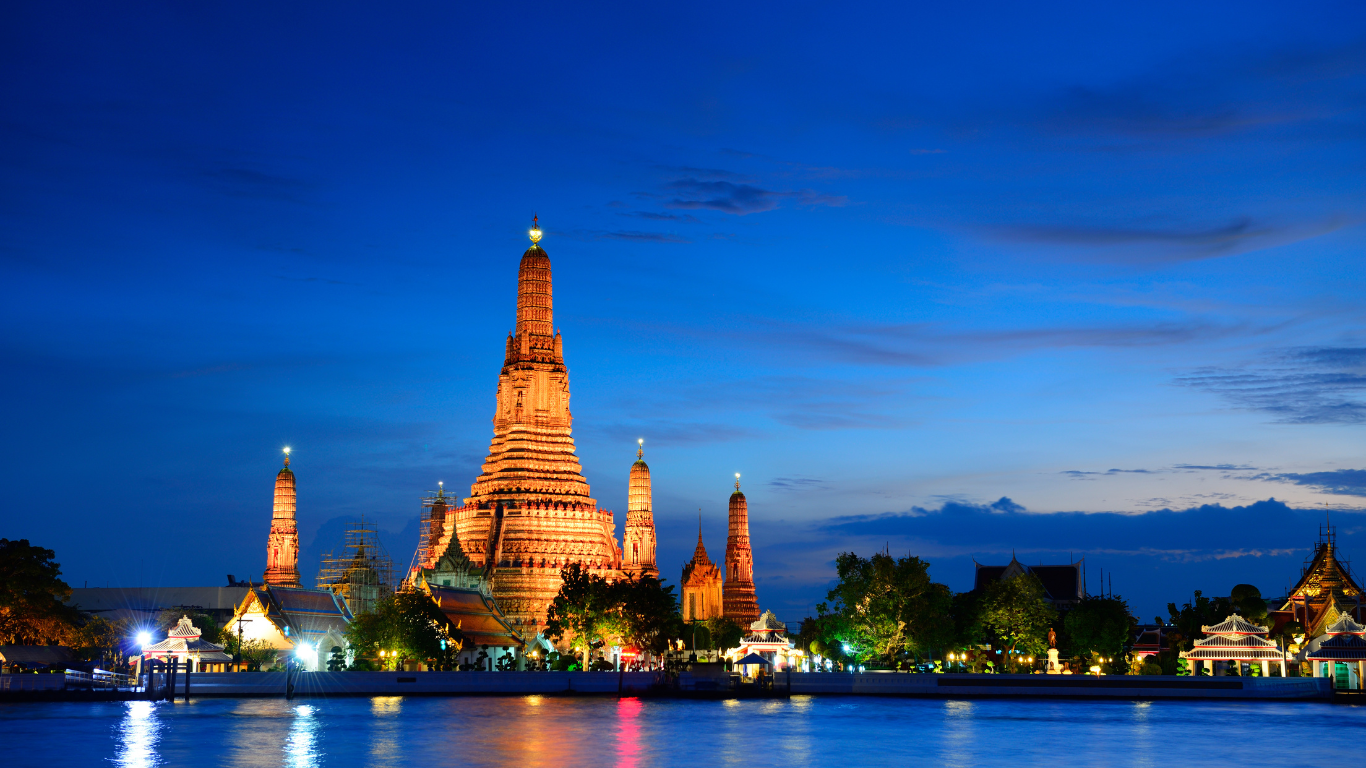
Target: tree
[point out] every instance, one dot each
(102, 640)
(32, 596)
(1101, 626)
(646, 613)
(581, 609)
(887, 607)
(336, 660)
(1247, 601)
(1015, 612)
(405, 624)
(1193, 616)
(725, 633)
(256, 654)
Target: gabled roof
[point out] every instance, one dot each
(475, 614)
(1234, 641)
(768, 622)
(1325, 576)
(1060, 582)
(1345, 626)
(308, 613)
(1234, 625)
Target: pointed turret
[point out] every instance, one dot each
(638, 544)
(702, 584)
(282, 547)
(741, 604)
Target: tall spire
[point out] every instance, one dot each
(638, 543)
(740, 602)
(535, 315)
(282, 546)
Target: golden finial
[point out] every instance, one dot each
(535, 230)
(440, 489)
(286, 456)
(737, 481)
(640, 452)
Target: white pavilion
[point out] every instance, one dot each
(1235, 640)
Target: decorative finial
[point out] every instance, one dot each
(440, 489)
(286, 456)
(640, 452)
(535, 230)
(737, 481)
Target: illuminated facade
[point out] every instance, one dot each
(305, 622)
(529, 513)
(183, 642)
(738, 599)
(638, 543)
(282, 548)
(701, 582)
(1325, 592)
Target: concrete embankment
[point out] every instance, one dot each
(647, 683)
(1061, 686)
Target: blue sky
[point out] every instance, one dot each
(957, 281)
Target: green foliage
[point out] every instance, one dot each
(32, 611)
(697, 636)
(886, 608)
(102, 640)
(336, 660)
(257, 654)
(1015, 613)
(725, 633)
(406, 625)
(1247, 601)
(1201, 611)
(646, 613)
(642, 612)
(581, 609)
(1151, 668)
(1101, 625)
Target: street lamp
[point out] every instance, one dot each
(144, 637)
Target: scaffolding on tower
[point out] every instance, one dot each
(362, 573)
(431, 525)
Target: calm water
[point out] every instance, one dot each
(537, 731)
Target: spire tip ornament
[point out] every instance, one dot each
(640, 452)
(535, 232)
(737, 481)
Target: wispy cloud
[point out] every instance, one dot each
(796, 484)
(740, 198)
(1343, 482)
(1318, 385)
(1082, 474)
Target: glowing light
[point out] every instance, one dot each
(286, 450)
(144, 638)
(303, 650)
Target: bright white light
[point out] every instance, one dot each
(286, 450)
(303, 650)
(144, 638)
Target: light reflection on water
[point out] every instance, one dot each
(560, 732)
(137, 736)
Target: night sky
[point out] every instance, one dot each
(955, 280)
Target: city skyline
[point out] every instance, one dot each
(1061, 282)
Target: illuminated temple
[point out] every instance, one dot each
(282, 547)
(530, 513)
(739, 603)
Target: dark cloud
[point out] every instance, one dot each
(653, 216)
(796, 484)
(740, 198)
(1145, 244)
(1344, 482)
(595, 235)
(249, 182)
(1316, 385)
(1079, 474)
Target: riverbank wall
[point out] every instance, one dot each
(322, 684)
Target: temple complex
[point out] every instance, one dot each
(1063, 586)
(282, 548)
(183, 642)
(1340, 653)
(739, 602)
(305, 622)
(1325, 591)
(638, 543)
(529, 513)
(702, 585)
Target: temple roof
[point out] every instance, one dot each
(308, 613)
(768, 622)
(476, 615)
(185, 628)
(1345, 626)
(1060, 582)
(1234, 625)
(1234, 641)
(1340, 647)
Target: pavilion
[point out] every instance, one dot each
(1234, 640)
(767, 638)
(184, 644)
(1344, 647)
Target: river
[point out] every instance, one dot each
(556, 732)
